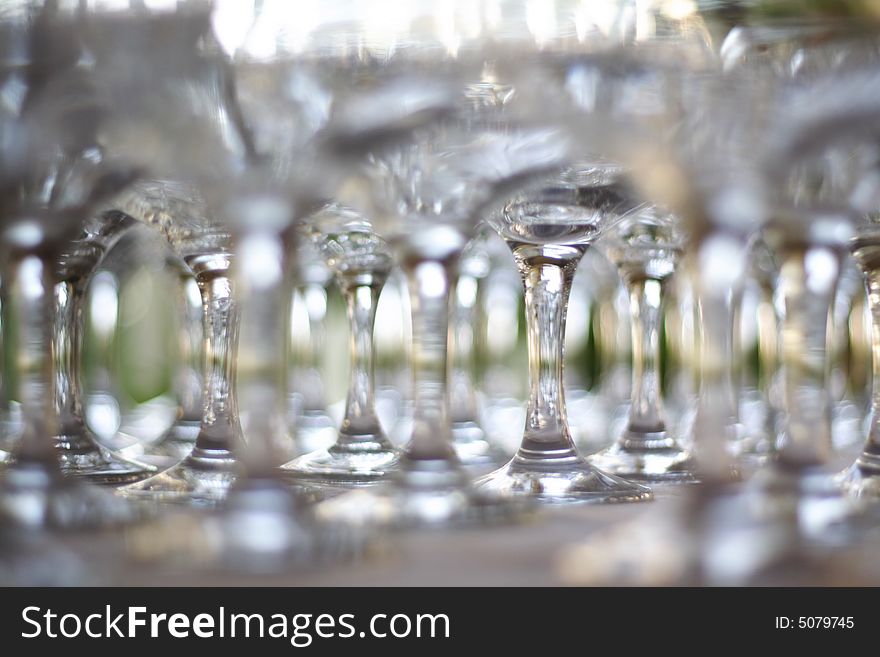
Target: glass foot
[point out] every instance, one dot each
(314, 430)
(650, 457)
(267, 527)
(177, 442)
(356, 465)
(35, 558)
(32, 495)
(423, 493)
(861, 480)
(808, 494)
(81, 456)
(473, 449)
(561, 481)
(203, 479)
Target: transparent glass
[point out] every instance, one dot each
(547, 465)
(33, 490)
(862, 479)
(310, 423)
(469, 439)
(431, 488)
(266, 523)
(204, 476)
(179, 440)
(362, 454)
(810, 264)
(80, 453)
(646, 253)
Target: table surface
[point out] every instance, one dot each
(556, 546)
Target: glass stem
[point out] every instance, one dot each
(462, 349)
(312, 384)
(646, 307)
(872, 445)
(219, 429)
(361, 423)
(263, 287)
(808, 294)
(31, 309)
(66, 349)
(713, 423)
(188, 382)
(430, 283)
(547, 274)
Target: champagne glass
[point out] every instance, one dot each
(361, 262)
(646, 248)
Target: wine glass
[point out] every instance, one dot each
(469, 439)
(862, 479)
(312, 426)
(429, 195)
(548, 231)
(646, 247)
(176, 209)
(54, 174)
(361, 262)
(79, 451)
(178, 441)
(813, 163)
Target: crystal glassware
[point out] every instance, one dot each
(80, 452)
(361, 262)
(548, 231)
(429, 195)
(53, 176)
(646, 247)
(312, 426)
(466, 322)
(176, 209)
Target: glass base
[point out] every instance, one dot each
(561, 481)
(177, 442)
(422, 494)
(650, 457)
(36, 558)
(358, 464)
(809, 495)
(80, 455)
(313, 431)
(203, 479)
(267, 527)
(473, 449)
(861, 481)
(35, 495)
